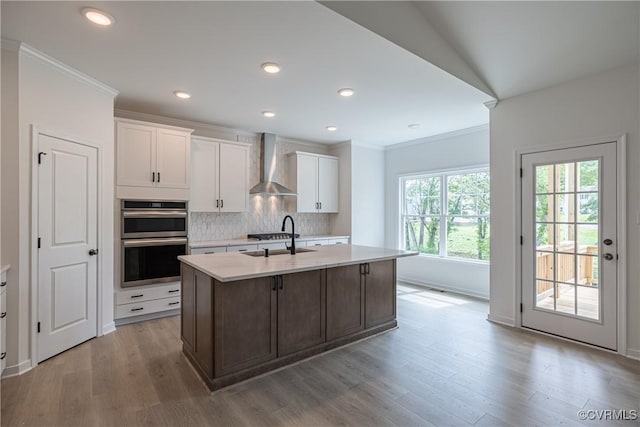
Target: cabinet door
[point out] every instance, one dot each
(345, 301)
(380, 293)
(204, 176)
(234, 178)
(328, 184)
(188, 308)
(136, 154)
(173, 158)
(245, 324)
(204, 327)
(301, 311)
(307, 183)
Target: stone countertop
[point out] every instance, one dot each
(4, 268)
(236, 242)
(230, 266)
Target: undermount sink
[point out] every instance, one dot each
(276, 252)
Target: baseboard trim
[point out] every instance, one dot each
(632, 353)
(442, 287)
(506, 321)
(19, 369)
(108, 328)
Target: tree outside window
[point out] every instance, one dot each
(447, 214)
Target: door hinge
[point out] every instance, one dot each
(520, 307)
(521, 240)
(38, 243)
(38, 327)
(40, 154)
(521, 172)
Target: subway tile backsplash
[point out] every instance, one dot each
(266, 212)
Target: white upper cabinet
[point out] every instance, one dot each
(315, 179)
(219, 176)
(152, 160)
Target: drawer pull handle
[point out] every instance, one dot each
(137, 309)
(3, 315)
(3, 355)
(174, 303)
(137, 296)
(174, 290)
(3, 284)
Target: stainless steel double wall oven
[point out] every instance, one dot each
(154, 234)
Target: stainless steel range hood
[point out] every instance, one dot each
(268, 164)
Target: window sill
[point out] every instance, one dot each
(454, 260)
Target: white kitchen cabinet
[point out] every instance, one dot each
(153, 161)
(317, 242)
(242, 248)
(144, 300)
(208, 250)
(3, 321)
(219, 176)
(315, 178)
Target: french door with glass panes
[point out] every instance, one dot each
(569, 253)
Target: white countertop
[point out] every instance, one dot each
(4, 268)
(230, 266)
(234, 242)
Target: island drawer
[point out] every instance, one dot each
(147, 293)
(146, 307)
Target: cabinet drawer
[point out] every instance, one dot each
(3, 327)
(242, 248)
(318, 242)
(208, 250)
(146, 307)
(147, 293)
(270, 246)
(338, 241)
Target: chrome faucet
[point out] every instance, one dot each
(292, 248)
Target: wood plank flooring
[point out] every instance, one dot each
(445, 365)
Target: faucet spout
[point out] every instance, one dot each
(292, 248)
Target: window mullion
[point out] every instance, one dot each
(444, 210)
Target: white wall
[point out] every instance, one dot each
(598, 106)
(367, 195)
(59, 100)
(340, 223)
(456, 150)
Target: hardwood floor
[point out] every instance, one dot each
(445, 365)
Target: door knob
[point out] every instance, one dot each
(607, 242)
(608, 257)
(93, 252)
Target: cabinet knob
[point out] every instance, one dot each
(3, 315)
(3, 355)
(3, 284)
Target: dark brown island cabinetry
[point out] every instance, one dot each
(234, 330)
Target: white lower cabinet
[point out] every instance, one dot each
(3, 322)
(275, 246)
(147, 299)
(208, 250)
(242, 248)
(340, 241)
(317, 242)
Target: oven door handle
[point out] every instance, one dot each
(154, 214)
(135, 243)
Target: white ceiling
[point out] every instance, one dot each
(214, 50)
(517, 47)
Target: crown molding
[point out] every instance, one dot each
(438, 137)
(153, 118)
(11, 45)
(491, 104)
(31, 52)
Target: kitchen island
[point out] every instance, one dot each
(244, 314)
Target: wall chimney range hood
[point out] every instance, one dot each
(268, 164)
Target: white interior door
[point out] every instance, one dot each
(67, 228)
(569, 254)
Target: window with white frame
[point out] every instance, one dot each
(446, 214)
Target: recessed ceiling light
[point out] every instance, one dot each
(268, 114)
(332, 128)
(98, 17)
(346, 91)
(271, 67)
(414, 126)
(182, 94)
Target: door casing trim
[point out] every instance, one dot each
(35, 133)
(621, 225)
